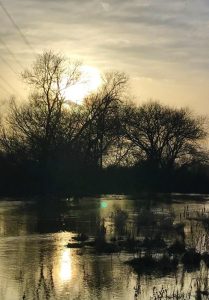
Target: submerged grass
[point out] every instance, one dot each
(149, 265)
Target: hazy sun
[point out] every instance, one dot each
(89, 81)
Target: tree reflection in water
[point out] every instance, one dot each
(36, 264)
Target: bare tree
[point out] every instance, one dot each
(163, 136)
(34, 126)
(102, 116)
(44, 125)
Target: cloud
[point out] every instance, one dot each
(106, 6)
(147, 38)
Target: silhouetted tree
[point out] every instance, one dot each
(33, 128)
(104, 142)
(101, 126)
(163, 136)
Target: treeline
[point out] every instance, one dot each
(105, 145)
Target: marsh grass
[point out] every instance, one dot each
(149, 264)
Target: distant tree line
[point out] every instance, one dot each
(108, 144)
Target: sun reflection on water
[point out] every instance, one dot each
(66, 265)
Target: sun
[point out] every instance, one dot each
(89, 81)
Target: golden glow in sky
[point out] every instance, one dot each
(89, 81)
(119, 35)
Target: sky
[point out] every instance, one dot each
(162, 45)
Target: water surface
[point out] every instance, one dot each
(36, 264)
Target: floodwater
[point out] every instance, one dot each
(36, 264)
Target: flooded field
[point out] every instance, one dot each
(107, 247)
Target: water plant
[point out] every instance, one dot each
(149, 264)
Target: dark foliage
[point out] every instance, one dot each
(150, 265)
